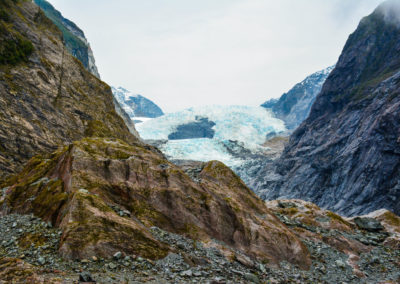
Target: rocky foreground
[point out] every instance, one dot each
(361, 250)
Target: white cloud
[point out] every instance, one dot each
(183, 53)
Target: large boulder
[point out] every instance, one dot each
(105, 195)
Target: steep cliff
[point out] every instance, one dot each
(74, 37)
(294, 106)
(346, 155)
(47, 96)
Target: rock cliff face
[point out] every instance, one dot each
(47, 96)
(73, 37)
(346, 155)
(83, 187)
(294, 106)
(136, 106)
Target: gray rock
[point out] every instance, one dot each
(294, 106)
(86, 277)
(339, 263)
(368, 224)
(112, 265)
(41, 261)
(117, 255)
(252, 278)
(244, 260)
(187, 273)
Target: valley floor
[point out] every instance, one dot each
(340, 251)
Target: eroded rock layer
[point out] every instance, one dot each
(84, 187)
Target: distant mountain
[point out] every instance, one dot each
(346, 155)
(74, 38)
(136, 106)
(294, 106)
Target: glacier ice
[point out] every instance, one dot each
(247, 126)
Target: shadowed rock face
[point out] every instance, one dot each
(346, 155)
(294, 106)
(48, 98)
(201, 128)
(78, 188)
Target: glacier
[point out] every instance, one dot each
(239, 133)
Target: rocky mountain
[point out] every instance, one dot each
(47, 97)
(136, 106)
(76, 43)
(73, 37)
(93, 203)
(346, 155)
(67, 158)
(294, 106)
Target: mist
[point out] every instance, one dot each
(391, 11)
(182, 53)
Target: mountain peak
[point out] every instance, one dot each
(136, 105)
(345, 155)
(391, 11)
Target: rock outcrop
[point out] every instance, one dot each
(47, 96)
(294, 106)
(74, 38)
(105, 195)
(346, 155)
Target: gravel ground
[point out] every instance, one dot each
(35, 242)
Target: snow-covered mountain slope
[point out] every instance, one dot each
(294, 106)
(136, 106)
(231, 134)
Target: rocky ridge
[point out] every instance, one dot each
(294, 106)
(345, 156)
(47, 96)
(74, 38)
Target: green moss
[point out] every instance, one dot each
(4, 16)
(49, 200)
(14, 51)
(391, 219)
(289, 211)
(96, 128)
(90, 230)
(28, 239)
(12, 270)
(337, 218)
(36, 168)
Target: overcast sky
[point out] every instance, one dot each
(183, 53)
